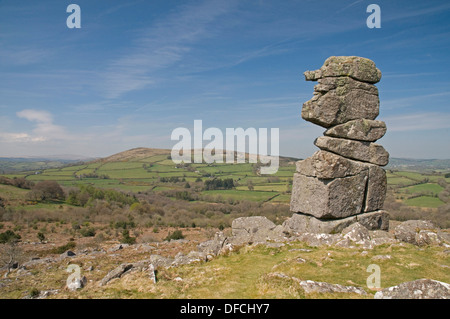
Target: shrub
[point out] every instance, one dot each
(9, 237)
(87, 232)
(62, 249)
(126, 239)
(34, 293)
(41, 236)
(177, 234)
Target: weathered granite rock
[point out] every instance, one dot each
(357, 150)
(360, 129)
(213, 246)
(319, 239)
(339, 100)
(356, 233)
(191, 257)
(116, 273)
(252, 230)
(342, 183)
(428, 238)
(327, 165)
(311, 286)
(358, 68)
(376, 189)
(407, 230)
(325, 198)
(377, 220)
(417, 289)
(300, 223)
(77, 283)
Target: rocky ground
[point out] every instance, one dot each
(273, 261)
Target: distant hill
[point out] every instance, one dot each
(409, 164)
(10, 165)
(134, 154)
(20, 164)
(138, 153)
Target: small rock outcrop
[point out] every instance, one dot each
(417, 289)
(344, 182)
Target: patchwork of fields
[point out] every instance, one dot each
(157, 172)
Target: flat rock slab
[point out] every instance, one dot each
(357, 150)
(358, 68)
(327, 165)
(360, 130)
(300, 223)
(417, 289)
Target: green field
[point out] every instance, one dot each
(427, 188)
(156, 172)
(424, 201)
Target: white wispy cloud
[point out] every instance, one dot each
(161, 46)
(418, 122)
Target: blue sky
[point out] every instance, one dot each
(136, 70)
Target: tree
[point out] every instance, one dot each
(41, 236)
(46, 190)
(10, 253)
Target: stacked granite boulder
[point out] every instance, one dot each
(343, 182)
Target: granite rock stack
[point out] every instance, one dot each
(344, 181)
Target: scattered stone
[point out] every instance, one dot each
(407, 230)
(213, 246)
(192, 257)
(67, 254)
(417, 289)
(116, 273)
(253, 229)
(356, 233)
(315, 240)
(152, 273)
(77, 283)
(311, 286)
(345, 243)
(382, 257)
(117, 248)
(160, 261)
(428, 237)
